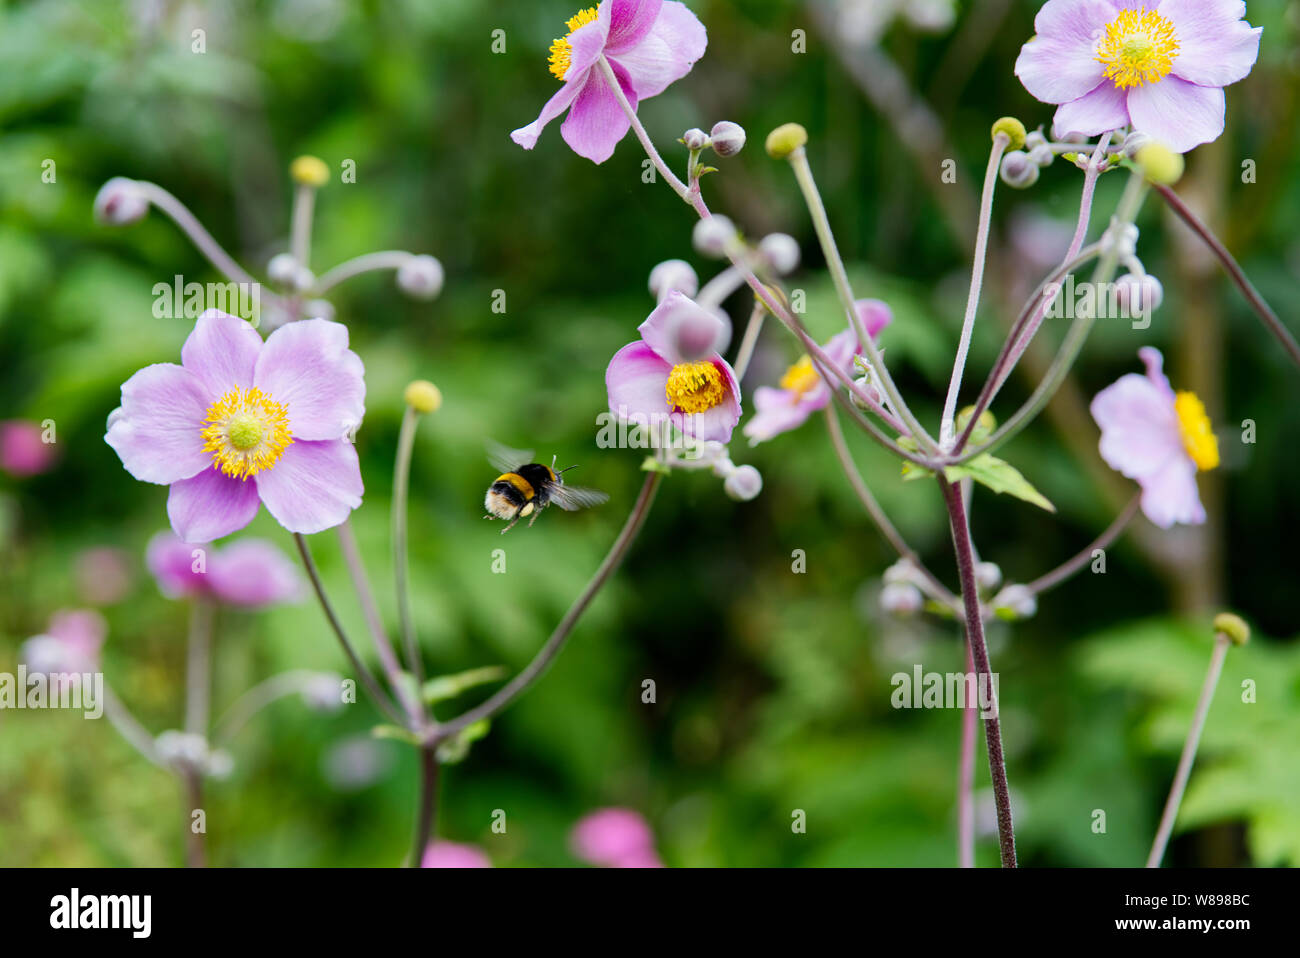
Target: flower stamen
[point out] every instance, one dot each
(695, 387)
(800, 378)
(1139, 47)
(1198, 434)
(246, 431)
(561, 50)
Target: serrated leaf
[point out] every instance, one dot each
(443, 687)
(1000, 476)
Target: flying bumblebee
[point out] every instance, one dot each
(525, 488)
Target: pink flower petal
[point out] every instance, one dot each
(875, 315)
(635, 380)
(221, 352)
(1178, 114)
(585, 45)
(1060, 63)
(171, 562)
(1102, 110)
(660, 329)
(157, 430)
(629, 21)
(253, 573)
(81, 632)
(1154, 361)
(314, 486)
(444, 854)
(1215, 46)
(666, 53)
(596, 121)
(211, 505)
(776, 411)
(1169, 495)
(1139, 428)
(308, 367)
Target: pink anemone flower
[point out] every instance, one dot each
(23, 449)
(1158, 437)
(1159, 66)
(70, 644)
(648, 45)
(802, 391)
(651, 381)
(615, 838)
(249, 574)
(242, 422)
(444, 854)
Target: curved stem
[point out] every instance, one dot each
(135, 734)
(191, 227)
(720, 287)
(1257, 302)
(257, 698)
(1077, 562)
(401, 486)
(1193, 741)
(1000, 143)
(980, 656)
(521, 682)
(363, 674)
(647, 144)
(426, 815)
(384, 259)
(752, 330)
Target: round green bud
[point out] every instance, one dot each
(1233, 626)
(423, 396)
(785, 139)
(309, 171)
(1160, 164)
(1013, 128)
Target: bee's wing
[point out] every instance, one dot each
(571, 498)
(506, 459)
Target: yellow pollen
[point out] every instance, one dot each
(1139, 47)
(561, 51)
(246, 431)
(1198, 436)
(695, 387)
(800, 378)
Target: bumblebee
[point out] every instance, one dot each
(525, 488)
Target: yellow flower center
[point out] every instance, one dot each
(1139, 48)
(695, 387)
(246, 431)
(800, 378)
(561, 51)
(1198, 436)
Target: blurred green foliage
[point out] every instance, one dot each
(773, 688)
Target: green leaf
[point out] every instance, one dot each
(1000, 476)
(444, 687)
(395, 732)
(454, 750)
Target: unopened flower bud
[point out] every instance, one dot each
(744, 483)
(1123, 238)
(309, 171)
(780, 251)
(864, 385)
(423, 396)
(1013, 128)
(902, 571)
(120, 202)
(987, 575)
(695, 139)
(1139, 295)
(696, 333)
(727, 138)
(184, 749)
(285, 270)
(1018, 170)
(220, 764)
(722, 466)
(673, 275)
(420, 277)
(318, 309)
(1041, 156)
(1033, 140)
(43, 654)
(1134, 142)
(901, 598)
(323, 691)
(785, 139)
(1015, 602)
(713, 236)
(1159, 163)
(1233, 626)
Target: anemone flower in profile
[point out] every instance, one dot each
(664, 377)
(1158, 437)
(248, 574)
(648, 45)
(1159, 66)
(69, 646)
(802, 391)
(242, 422)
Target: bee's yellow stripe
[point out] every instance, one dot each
(519, 482)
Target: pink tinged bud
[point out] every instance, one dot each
(673, 275)
(988, 575)
(23, 450)
(744, 484)
(1018, 170)
(901, 598)
(120, 202)
(612, 837)
(1134, 142)
(285, 270)
(780, 251)
(727, 138)
(1139, 295)
(695, 139)
(420, 277)
(1041, 156)
(714, 236)
(323, 692)
(1015, 602)
(864, 386)
(443, 854)
(875, 315)
(695, 332)
(318, 309)
(1034, 139)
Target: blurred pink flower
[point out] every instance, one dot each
(648, 44)
(615, 838)
(22, 450)
(70, 643)
(249, 573)
(103, 574)
(242, 422)
(1159, 66)
(1158, 437)
(444, 854)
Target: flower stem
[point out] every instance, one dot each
(198, 667)
(304, 206)
(369, 262)
(127, 726)
(1000, 143)
(720, 287)
(1234, 271)
(521, 682)
(746, 351)
(647, 144)
(257, 698)
(980, 657)
(1071, 566)
(192, 786)
(401, 485)
(966, 777)
(200, 237)
(426, 816)
(1221, 643)
(363, 674)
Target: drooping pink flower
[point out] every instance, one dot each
(1158, 437)
(249, 573)
(70, 643)
(802, 391)
(242, 421)
(648, 44)
(651, 381)
(615, 838)
(23, 449)
(444, 854)
(1159, 66)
